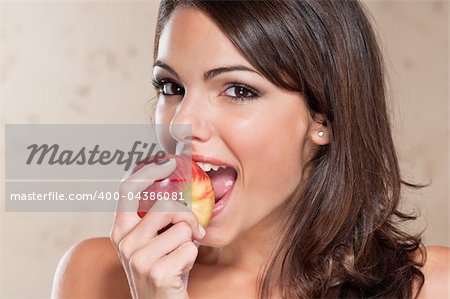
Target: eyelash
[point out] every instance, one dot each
(159, 85)
(255, 93)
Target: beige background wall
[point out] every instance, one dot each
(90, 62)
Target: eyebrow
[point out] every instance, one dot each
(209, 74)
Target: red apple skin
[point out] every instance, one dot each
(187, 174)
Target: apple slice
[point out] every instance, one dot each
(188, 181)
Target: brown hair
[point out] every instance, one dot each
(341, 235)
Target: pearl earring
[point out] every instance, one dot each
(321, 133)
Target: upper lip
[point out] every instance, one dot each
(210, 160)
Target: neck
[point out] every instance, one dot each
(249, 251)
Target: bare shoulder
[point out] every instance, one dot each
(437, 273)
(90, 269)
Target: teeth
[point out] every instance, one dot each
(207, 167)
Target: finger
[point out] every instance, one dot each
(125, 216)
(159, 247)
(163, 213)
(173, 267)
(151, 227)
(147, 175)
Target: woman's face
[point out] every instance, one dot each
(263, 134)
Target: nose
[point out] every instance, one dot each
(190, 121)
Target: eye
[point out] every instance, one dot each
(167, 87)
(241, 92)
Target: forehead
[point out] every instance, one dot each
(191, 37)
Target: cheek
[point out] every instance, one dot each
(270, 152)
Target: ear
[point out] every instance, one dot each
(319, 132)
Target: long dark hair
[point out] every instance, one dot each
(340, 235)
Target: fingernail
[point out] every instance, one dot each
(201, 230)
(170, 163)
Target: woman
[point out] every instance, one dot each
(291, 95)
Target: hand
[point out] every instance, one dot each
(155, 263)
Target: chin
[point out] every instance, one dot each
(216, 238)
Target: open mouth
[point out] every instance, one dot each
(222, 178)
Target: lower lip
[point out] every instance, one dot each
(220, 205)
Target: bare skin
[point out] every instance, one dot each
(241, 134)
(94, 264)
